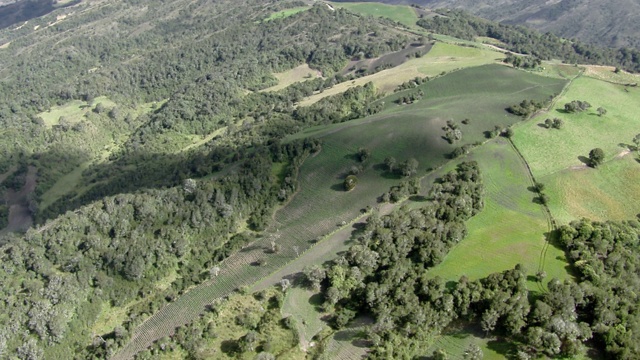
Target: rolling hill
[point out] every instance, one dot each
(610, 23)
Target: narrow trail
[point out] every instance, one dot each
(551, 223)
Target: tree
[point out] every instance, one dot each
(390, 163)
(596, 156)
(363, 154)
(284, 284)
(473, 352)
(350, 182)
(601, 111)
(214, 271)
(508, 133)
(557, 123)
(409, 167)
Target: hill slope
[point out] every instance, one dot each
(606, 23)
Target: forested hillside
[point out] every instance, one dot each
(609, 23)
(263, 179)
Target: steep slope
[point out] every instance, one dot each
(606, 23)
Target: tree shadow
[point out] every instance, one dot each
(627, 146)
(418, 198)
(562, 111)
(338, 187)
(532, 189)
(585, 160)
(543, 125)
(353, 157)
(230, 347)
(532, 278)
(316, 300)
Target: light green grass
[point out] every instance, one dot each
(549, 150)
(297, 74)
(441, 58)
(400, 13)
(456, 343)
(510, 229)
(73, 111)
(286, 13)
(302, 305)
(610, 192)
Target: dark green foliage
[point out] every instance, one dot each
(576, 106)
(556, 123)
(525, 108)
(525, 62)
(596, 157)
(605, 301)
(383, 274)
(350, 182)
(530, 42)
(411, 84)
(452, 132)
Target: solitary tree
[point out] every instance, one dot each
(390, 163)
(350, 182)
(601, 111)
(363, 154)
(596, 156)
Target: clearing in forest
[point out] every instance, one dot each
(286, 13)
(73, 111)
(440, 59)
(402, 14)
(297, 74)
(511, 228)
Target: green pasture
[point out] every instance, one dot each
(610, 192)
(456, 341)
(400, 13)
(286, 13)
(297, 74)
(73, 111)
(321, 204)
(442, 58)
(549, 150)
(511, 228)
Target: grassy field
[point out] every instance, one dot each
(303, 305)
(400, 13)
(549, 150)
(322, 205)
(607, 73)
(286, 13)
(73, 111)
(442, 57)
(455, 341)
(610, 192)
(510, 229)
(297, 74)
